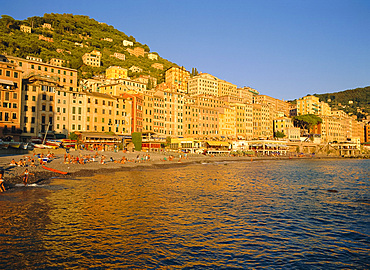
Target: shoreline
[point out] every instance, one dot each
(13, 173)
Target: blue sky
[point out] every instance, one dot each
(283, 48)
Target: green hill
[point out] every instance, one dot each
(73, 36)
(353, 101)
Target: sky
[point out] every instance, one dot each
(285, 49)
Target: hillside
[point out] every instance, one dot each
(72, 36)
(353, 101)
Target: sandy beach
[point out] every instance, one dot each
(134, 160)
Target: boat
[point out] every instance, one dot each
(15, 145)
(53, 170)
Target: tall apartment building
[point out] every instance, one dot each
(158, 112)
(120, 86)
(177, 77)
(115, 72)
(262, 124)
(227, 122)
(203, 83)
(312, 105)
(201, 116)
(65, 77)
(71, 108)
(10, 99)
(245, 94)
(38, 105)
(226, 88)
(92, 59)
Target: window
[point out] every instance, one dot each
(43, 119)
(50, 108)
(15, 74)
(14, 105)
(33, 108)
(25, 108)
(32, 66)
(14, 116)
(33, 98)
(73, 110)
(32, 120)
(32, 130)
(43, 97)
(7, 73)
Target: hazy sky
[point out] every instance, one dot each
(283, 48)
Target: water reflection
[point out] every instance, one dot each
(262, 214)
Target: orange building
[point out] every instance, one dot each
(10, 100)
(178, 77)
(137, 51)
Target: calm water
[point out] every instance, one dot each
(271, 214)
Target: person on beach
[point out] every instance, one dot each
(2, 188)
(26, 175)
(13, 163)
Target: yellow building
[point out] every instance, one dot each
(312, 105)
(226, 88)
(178, 77)
(201, 116)
(66, 77)
(115, 72)
(332, 129)
(244, 115)
(308, 105)
(26, 29)
(203, 83)
(262, 123)
(120, 86)
(38, 105)
(227, 122)
(158, 112)
(92, 59)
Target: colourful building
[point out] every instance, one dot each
(115, 72)
(177, 77)
(10, 100)
(92, 59)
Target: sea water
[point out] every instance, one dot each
(292, 214)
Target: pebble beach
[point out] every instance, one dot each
(134, 160)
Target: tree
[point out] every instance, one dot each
(279, 134)
(306, 121)
(73, 136)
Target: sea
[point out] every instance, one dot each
(272, 214)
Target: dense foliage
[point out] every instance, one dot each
(306, 121)
(354, 101)
(74, 35)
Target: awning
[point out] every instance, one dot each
(216, 143)
(6, 82)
